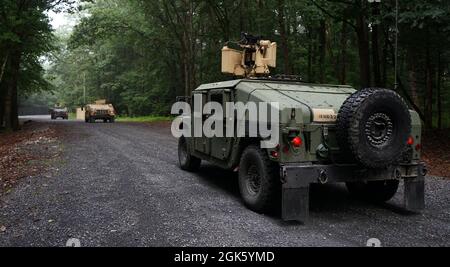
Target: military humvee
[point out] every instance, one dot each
(100, 111)
(368, 139)
(59, 112)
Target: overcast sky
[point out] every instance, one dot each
(61, 20)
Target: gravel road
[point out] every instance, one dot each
(119, 185)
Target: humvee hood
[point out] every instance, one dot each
(99, 107)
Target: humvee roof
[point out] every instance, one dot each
(279, 85)
(255, 82)
(287, 93)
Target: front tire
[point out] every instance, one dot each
(187, 161)
(374, 191)
(259, 181)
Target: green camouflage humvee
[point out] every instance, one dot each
(368, 139)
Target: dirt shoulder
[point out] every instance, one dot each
(28, 152)
(436, 152)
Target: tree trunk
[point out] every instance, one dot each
(429, 86)
(413, 74)
(343, 61)
(10, 98)
(2, 105)
(310, 51)
(438, 87)
(2, 91)
(284, 38)
(363, 48)
(191, 39)
(402, 87)
(3, 67)
(322, 50)
(186, 75)
(375, 48)
(384, 58)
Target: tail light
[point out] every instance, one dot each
(274, 154)
(297, 141)
(410, 141)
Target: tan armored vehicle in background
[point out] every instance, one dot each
(100, 111)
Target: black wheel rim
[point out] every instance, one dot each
(379, 129)
(253, 181)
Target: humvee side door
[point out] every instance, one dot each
(201, 144)
(216, 147)
(221, 146)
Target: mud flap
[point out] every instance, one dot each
(414, 192)
(295, 204)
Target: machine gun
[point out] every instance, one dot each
(254, 58)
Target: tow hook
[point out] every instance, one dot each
(323, 177)
(398, 174)
(423, 170)
(283, 174)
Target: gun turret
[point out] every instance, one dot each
(254, 58)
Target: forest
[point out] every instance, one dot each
(141, 54)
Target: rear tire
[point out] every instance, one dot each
(374, 191)
(187, 161)
(259, 181)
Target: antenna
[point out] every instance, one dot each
(396, 45)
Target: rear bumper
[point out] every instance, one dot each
(296, 180)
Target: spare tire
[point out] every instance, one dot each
(373, 127)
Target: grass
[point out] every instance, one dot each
(72, 116)
(144, 119)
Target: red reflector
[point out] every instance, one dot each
(297, 141)
(274, 154)
(418, 147)
(410, 141)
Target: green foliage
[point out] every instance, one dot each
(141, 54)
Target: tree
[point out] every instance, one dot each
(25, 34)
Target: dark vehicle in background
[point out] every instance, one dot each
(59, 113)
